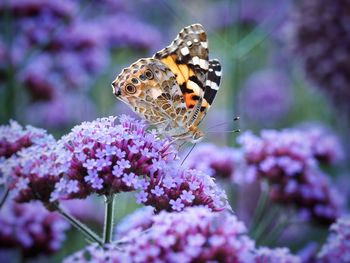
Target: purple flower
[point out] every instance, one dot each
(114, 171)
(193, 235)
(95, 253)
(217, 162)
(63, 110)
(337, 247)
(288, 160)
(174, 190)
(139, 220)
(63, 46)
(130, 31)
(31, 228)
(277, 255)
(327, 148)
(196, 235)
(33, 172)
(223, 13)
(313, 28)
(266, 97)
(14, 137)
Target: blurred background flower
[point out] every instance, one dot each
(56, 51)
(266, 98)
(319, 34)
(337, 246)
(31, 229)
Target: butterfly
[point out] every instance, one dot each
(175, 88)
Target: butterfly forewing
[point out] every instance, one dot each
(187, 57)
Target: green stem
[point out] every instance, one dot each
(109, 216)
(4, 197)
(260, 207)
(275, 234)
(9, 96)
(265, 224)
(87, 232)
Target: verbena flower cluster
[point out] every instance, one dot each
(175, 190)
(33, 172)
(266, 97)
(223, 14)
(326, 147)
(289, 161)
(95, 253)
(217, 162)
(108, 158)
(320, 37)
(276, 255)
(13, 138)
(61, 47)
(31, 229)
(337, 247)
(193, 235)
(138, 221)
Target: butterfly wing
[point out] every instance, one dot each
(187, 57)
(150, 88)
(176, 87)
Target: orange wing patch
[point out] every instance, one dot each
(185, 77)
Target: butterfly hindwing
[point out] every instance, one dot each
(151, 89)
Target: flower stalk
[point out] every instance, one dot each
(4, 197)
(86, 231)
(109, 218)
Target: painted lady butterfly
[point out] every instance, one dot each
(175, 88)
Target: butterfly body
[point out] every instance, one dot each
(174, 89)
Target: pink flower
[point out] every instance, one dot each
(31, 228)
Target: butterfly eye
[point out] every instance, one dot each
(149, 74)
(131, 89)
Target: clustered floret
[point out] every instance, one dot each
(59, 50)
(175, 190)
(289, 161)
(337, 247)
(31, 228)
(217, 162)
(321, 40)
(13, 138)
(138, 221)
(109, 158)
(33, 173)
(193, 235)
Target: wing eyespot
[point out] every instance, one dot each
(149, 74)
(135, 81)
(131, 89)
(142, 77)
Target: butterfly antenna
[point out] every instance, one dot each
(235, 119)
(188, 153)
